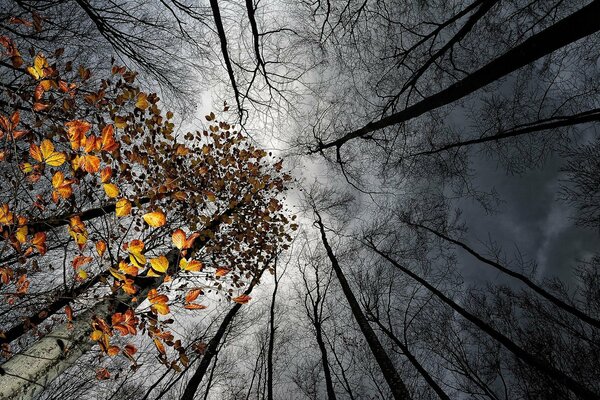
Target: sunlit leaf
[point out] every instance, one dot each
(39, 64)
(155, 218)
(142, 101)
(192, 265)
(122, 208)
(111, 190)
(100, 247)
(160, 264)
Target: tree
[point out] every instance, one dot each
(236, 215)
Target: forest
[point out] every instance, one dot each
(299, 199)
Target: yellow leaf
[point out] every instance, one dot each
(96, 335)
(155, 218)
(123, 208)
(51, 157)
(119, 276)
(142, 101)
(83, 275)
(160, 264)
(222, 271)
(37, 70)
(111, 190)
(179, 238)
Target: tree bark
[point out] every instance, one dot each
(388, 370)
(570, 29)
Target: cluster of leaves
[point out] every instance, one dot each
(150, 216)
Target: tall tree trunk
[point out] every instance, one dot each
(388, 370)
(536, 288)
(576, 26)
(213, 344)
(326, 370)
(542, 366)
(271, 336)
(413, 360)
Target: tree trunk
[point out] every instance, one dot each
(213, 344)
(271, 337)
(542, 366)
(570, 29)
(536, 288)
(388, 370)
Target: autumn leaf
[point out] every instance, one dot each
(63, 187)
(102, 374)
(160, 264)
(242, 299)
(194, 306)
(118, 276)
(135, 249)
(100, 247)
(159, 346)
(108, 142)
(69, 313)
(158, 302)
(6, 217)
(192, 295)
(181, 242)
(78, 231)
(222, 271)
(142, 101)
(82, 274)
(122, 208)
(129, 350)
(76, 131)
(89, 163)
(39, 242)
(80, 261)
(45, 153)
(111, 190)
(192, 265)
(155, 218)
(39, 64)
(105, 174)
(128, 268)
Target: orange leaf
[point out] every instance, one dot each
(194, 306)
(69, 313)
(89, 163)
(39, 242)
(105, 174)
(76, 131)
(158, 302)
(192, 265)
(159, 346)
(100, 247)
(102, 374)
(242, 299)
(108, 139)
(129, 350)
(142, 101)
(80, 261)
(192, 295)
(155, 218)
(222, 271)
